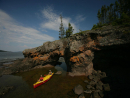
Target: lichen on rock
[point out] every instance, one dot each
(78, 50)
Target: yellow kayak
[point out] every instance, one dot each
(45, 79)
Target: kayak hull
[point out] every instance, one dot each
(48, 77)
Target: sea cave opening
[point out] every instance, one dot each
(61, 65)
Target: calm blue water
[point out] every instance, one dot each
(10, 55)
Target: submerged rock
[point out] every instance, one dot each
(81, 96)
(6, 89)
(61, 59)
(78, 89)
(86, 81)
(58, 72)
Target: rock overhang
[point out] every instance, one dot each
(77, 50)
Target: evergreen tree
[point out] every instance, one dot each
(62, 32)
(99, 15)
(107, 18)
(117, 9)
(111, 13)
(105, 13)
(69, 31)
(102, 13)
(115, 14)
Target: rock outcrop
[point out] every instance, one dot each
(96, 88)
(79, 49)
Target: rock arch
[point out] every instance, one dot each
(77, 50)
(77, 58)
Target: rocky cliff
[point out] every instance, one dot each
(85, 50)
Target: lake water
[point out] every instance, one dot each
(9, 56)
(23, 82)
(59, 86)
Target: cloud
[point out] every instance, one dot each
(25, 46)
(80, 18)
(11, 31)
(53, 20)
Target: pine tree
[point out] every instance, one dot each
(102, 13)
(107, 18)
(69, 31)
(99, 15)
(62, 32)
(117, 9)
(111, 13)
(105, 13)
(115, 14)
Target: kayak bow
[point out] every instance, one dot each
(45, 79)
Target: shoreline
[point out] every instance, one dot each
(10, 66)
(116, 79)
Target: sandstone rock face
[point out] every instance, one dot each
(79, 50)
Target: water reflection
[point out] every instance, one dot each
(57, 87)
(62, 67)
(21, 87)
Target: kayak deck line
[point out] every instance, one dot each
(45, 79)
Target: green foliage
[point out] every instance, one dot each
(125, 17)
(65, 34)
(94, 27)
(115, 14)
(62, 31)
(81, 32)
(126, 24)
(69, 31)
(99, 25)
(114, 23)
(126, 32)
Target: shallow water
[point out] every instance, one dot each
(62, 67)
(21, 87)
(59, 86)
